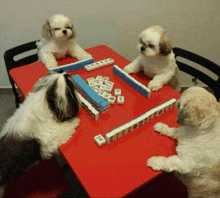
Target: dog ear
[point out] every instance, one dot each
(73, 32)
(46, 30)
(62, 100)
(196, 112)
(197, 115)
(73, 101)
(165, 45)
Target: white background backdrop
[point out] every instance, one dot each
(191, 24)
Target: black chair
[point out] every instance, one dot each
(189, 68)
(11, 62)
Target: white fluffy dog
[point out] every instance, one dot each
(45, 120)
(197, 162)
(157, 59)
(57, 42)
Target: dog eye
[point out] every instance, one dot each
(56, 28)
(151, 46)
(68, 27)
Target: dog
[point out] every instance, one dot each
(58, 33)
(45, 120)
(157, 59)
(197, 163)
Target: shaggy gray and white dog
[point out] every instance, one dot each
(45, 120)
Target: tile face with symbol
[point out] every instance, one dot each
(100, 140)
(112, 99)
(120, 99)
(117, 92)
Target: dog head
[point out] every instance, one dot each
(60, 95)
(197, 107)
(154, 41)
(58, 27)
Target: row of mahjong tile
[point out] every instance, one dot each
(99, 64)
(100, 103)
(103, 87)
(135, 123)
(88, 107)
(131, 81)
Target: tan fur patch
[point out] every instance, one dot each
(165, 41)
(73, 33)
(46, 33)
(200, 105)
(165, 45)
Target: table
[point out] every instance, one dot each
(118, 168)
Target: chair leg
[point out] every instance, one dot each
(17, 103)
(18, 100)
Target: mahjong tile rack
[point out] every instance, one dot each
(117, 168)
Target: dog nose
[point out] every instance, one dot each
(64, 31)
(142, 48)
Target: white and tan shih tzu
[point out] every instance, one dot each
(157, 59)
(58, 33)
(45, 120)
(197, 162)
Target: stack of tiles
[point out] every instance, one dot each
(88, 106)
(99, 64)
(101, 104)
(103, 87)
(131, 81)
(73, 66)
(139, 121)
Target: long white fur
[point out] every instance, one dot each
(34, 119)
(198, 158)
(161, 68)
(55, 44)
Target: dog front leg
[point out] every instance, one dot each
(133, 67)
(48, 60)
(159, 80)
(166, 130)
(168, 164)
(78, 52)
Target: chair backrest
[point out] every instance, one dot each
(11, 62)
(10, 54)
(213, 84)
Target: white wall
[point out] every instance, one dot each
(192, 24)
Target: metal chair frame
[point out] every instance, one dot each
(213, 84)
(10, 62)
